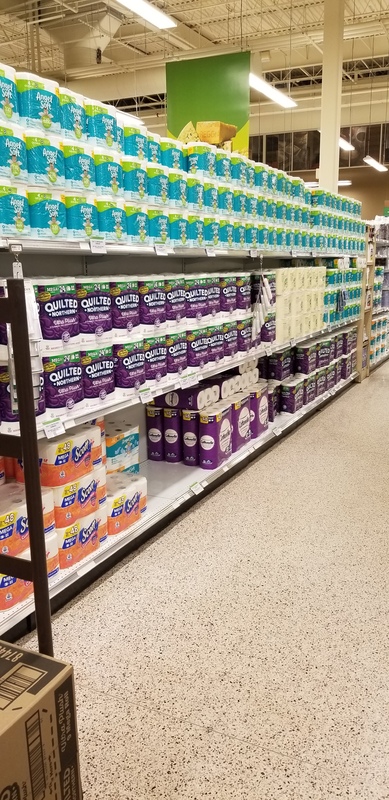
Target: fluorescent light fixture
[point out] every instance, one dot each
(344, 183)
(375, 164)
(271, 92)
(315, 184)
(345, 145)
(149, 12)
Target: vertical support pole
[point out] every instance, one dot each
(27, 423)
(331, 95)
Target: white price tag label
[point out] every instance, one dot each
(268, 350)
(176, 503)
(98, 247)
(196, 488)
(253, 253)
(54, 427)
(160, 249)
(190, 380)
(210, 252)
(277, 431)
(225, 468)
(145, 395)
(326, 395)
(84, 246)
(17, 270)
(293, 342)
(333, 391)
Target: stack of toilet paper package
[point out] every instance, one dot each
(73, 167)
(91, 490)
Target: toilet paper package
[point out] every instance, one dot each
(177, 351)
(172, 435)
(274, 399)
(101, 515)
(72, 114)
(63, 383)
(280, 365)
(155, 437)
(96, 433)
(201, 158)
(123, 504)
(13, 153)
(129, 364)
(152, 302)
(323, 353)
(230, 333)
(243, 292)
(108, 170)
(112, 218)
(172, 153)
(122, 444)
(197, 344)
(134, 178)
(52, 555)
(124, 306)
(157, 184)
(94, 310)
(58, 311)
(82, 219)
(292, 394)
(154, 148)
(196, 294)
(177, 188)
(158, 225)
(210, 196)
(225, 385)
(226, 233)
(310, 388)
(190, 437)
(306, 358)
(240, 421)
(139, 484)
(215, 436)
(75, 500)
(223, 164)
(239, 234)
(100, 478)
(14, 210)
(9, 111)
(245, 334)
(225, 199)
(101, 123)
(195, 193)
(321, 381)
(77, 541)
(195, 230)
(346, 366)
(14, 532)
(155, 357)
(213, 289)
(228, 294)
(45, 160)
(215, 343)
(211, 231)
(330, 376)
(38, 101)
(259, 410)
(47, 213)
(175, 299)
(178, 228)
(98, 376)
(135, 140)
(80, 171)
(8, 403)
(137, 221)
(65, 459)
(195, 399)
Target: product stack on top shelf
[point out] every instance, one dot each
(74, 168)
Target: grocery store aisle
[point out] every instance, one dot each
(243, 654)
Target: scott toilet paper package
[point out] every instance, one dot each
(123, 504)
(78, 540)
(75, 500)
(65, 458)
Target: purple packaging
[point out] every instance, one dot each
(230, 333)
(263, 367)
(332, 349)
(240, 421)
(175, 298)
(348, 341)
(338, 345)
(155, 357)
(245, 335)
(191, 399)
(152, 301)
(353, 361)
(215, 436)
(172, 435)
(196, 293)
(259, 410)
(274, 399)
(177, 352)
(346, 366)
(125, 305)
(63, 380)
(268, 330)
(197, 341)
(323, 353)
(321, 381)
(243, 292)
(306, 358)
(330, 376)
(292, 395)
(190, 437)
(8, 413)
(129, 364)
(94, 309)
(98, 376)
(228, 293)
(155, 440)
(338, 370)
(215, 343)
(58, 310)
(309, 388)
(213, 287)
(280, 365)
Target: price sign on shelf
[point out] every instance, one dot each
(53, 427)
(196, 488)
(277, 431)
(268, 350)
(210, 252)
(145, 395)
(253, 253)
(161, 250)
(98, 247)
(293, 342)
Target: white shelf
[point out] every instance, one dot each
(169, 488)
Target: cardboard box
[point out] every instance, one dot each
(38, 729)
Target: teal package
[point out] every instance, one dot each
(238, 169)
(226, 233)
(225, 199)
(72, 117)
(135, 142)
(177, 189)
(38, 107)
(119, 449)
(281, 238)
(201, 158)
(45, 162)
(223, 165)
(171, 155)
(262, 207)
(210, 196)
(261, 176)
(178, 230)
(79, 167)
(250, 175)
(157, 184)
(13, 156)
(112, 220)
(195, 193)
(134, 179)
(211, 231)
(263, 236)
(251, 204)
(137, 224)
(297, 240)
(195, 230)
(240, 202)
(101, 125)
(251, 235)
(281, 211)
(47, 215)
(153, 149)
(8, 99)
(14, 212)
(81, 217)
(109, 174)
(158, 226)
(240, 235)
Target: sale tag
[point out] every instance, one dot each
(98, 247)
(53, 427)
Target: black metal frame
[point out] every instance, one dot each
(13, 311)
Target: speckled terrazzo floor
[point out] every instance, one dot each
(244, 654)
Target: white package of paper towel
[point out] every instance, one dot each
(122, 443)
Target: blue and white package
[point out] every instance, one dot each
(211, 231)
(238, 169)
(47, 214)
(45, 159)
(135, 140)
(109, 173)
(9, 111)
(250, 174)
(240, 202)
(240, 234)
(13, 153)
(112, 218)
(172, 153)
(82, 219)
(101, 123)
(134, 178)
(158, 226)
(14, 211)
(223, 165)
(178, 228)
(251, 204)
(80, 173)
(153, 148)
(226, 233)
(121, 119)
(72, 114)
(177, 188)
(38, 102)
(225, 199)
(195, 192)
(251, 235)
(210, 196)
(195, 230)
(137, 223)
(157, 184)
(201, 159)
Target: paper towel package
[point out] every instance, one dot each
(190, 437)
(78, 540)
(75, 500)
(123, 504)
(215, 436)
(240, 421)
(122, 444)
(155, 438)
(172, 435)
(259, 410)
(65, 458)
